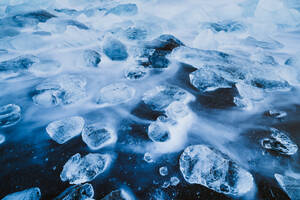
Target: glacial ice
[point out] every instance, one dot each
(148, 157)
(29, 194)
(278, 114)
(10, 115)
(136, 73)
(162, 96)
(115, 50)
(63, 90)
(97, 136)
(290, 185)
(115, 93)
(207, 80)
(279, 142)
(163, 171)
(119, 194)
(201, 164)
(2, 138)
(16, 66)
(77, 192)
(63, 130)
(79, 169)
(174, 181)
(158, 131)
(156, 51)
(92, 58)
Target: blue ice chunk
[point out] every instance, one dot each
(92, 58)
(32, 18)
(271, 85)
(204, 165)
(29, 194)
(205, 79)
(18, 63)
(115, 50)
(9, 115)
(129, 9)
(133, 33)
(80, 192)
(157, 50)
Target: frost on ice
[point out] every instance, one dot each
(29, 194)
(201, 164)
(290, 185)
(9, 115)
(63, 130)
(80, 192)
(97, 136)
(279, 142)
(115, 50)
(83, 169)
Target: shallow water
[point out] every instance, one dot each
(30, 158)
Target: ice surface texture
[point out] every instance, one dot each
(9, 115)
(279, 142)
(201, 164)
(63, 130)
(83, 169)
(29, 194)
(80, 192)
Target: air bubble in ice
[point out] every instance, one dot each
(201, 164)
(83, 169)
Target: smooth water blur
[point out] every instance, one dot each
(161, 76)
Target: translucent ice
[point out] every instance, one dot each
(271, 85)
(158, 131)
(92, 58)
(157, 50)
(2, 139)
(77, 192)
(278, 114)
(162, 96)
(136, 73)
(115, 50)
(63, 90)
(148, 157)
(115, 93)
(97, 136)
(83, 169)
(17, 65)
(207, 80)
(63, 130)
(201, 164)
(163, 171)
(118, 195)
(124, 10)
(29, 194)
(9, 115)
(279, 142)
(290, 185)
(174, 181)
